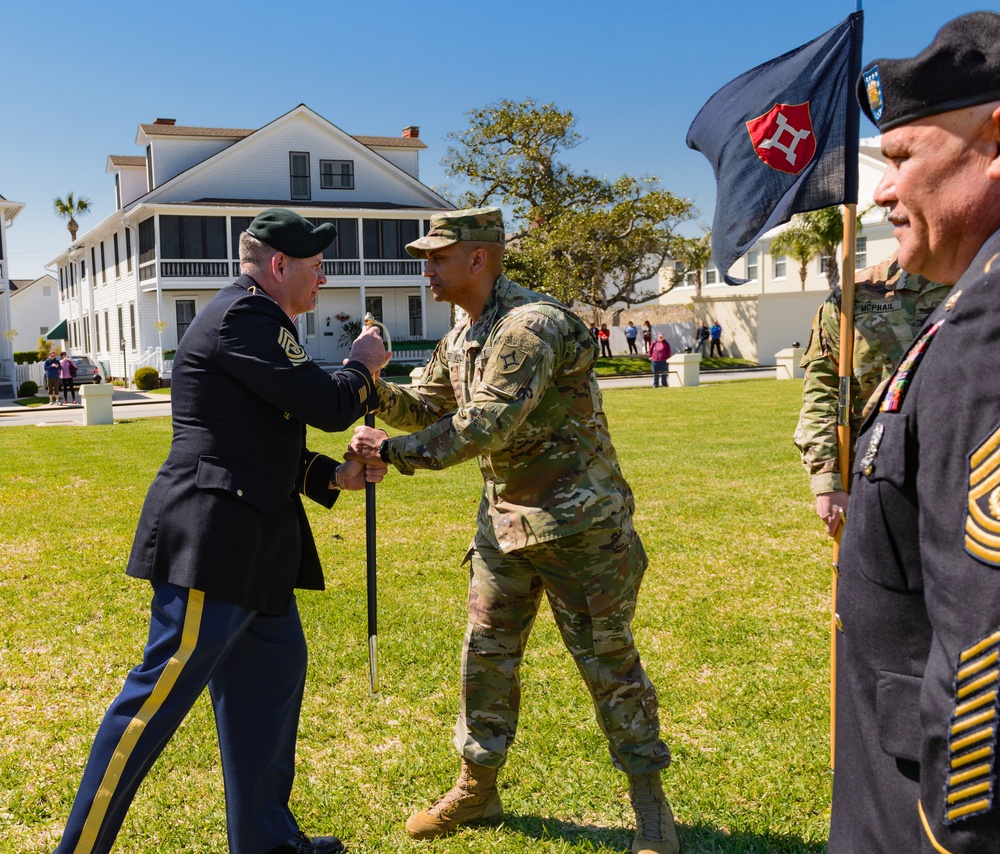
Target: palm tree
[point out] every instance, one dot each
(695, 254)
(71, 208)
(827, 227)
(799, 243)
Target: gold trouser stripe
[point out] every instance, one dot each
(164, 685)
(923, 820)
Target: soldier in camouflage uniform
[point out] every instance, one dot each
(890, 306)
(513, 385)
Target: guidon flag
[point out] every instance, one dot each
(782, 139)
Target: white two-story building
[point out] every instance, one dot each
(131, 286)
(8, 213)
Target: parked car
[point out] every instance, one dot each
(87, 370)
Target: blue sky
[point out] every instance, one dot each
(80, 78)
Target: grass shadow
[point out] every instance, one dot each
(695, 839)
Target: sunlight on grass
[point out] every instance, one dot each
(732, 625)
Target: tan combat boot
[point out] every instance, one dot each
(474, 798)
(654, 823)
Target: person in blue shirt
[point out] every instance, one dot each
(52, 379)
(715, 338)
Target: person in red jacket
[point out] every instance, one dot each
(659, 352)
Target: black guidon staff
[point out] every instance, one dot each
(370, 547)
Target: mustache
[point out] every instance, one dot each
(897, 219)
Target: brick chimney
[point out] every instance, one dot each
(411, 132)
(165, 122)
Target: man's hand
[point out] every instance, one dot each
(364, 446)
(370, 351)
(832, 509)
(354, 475)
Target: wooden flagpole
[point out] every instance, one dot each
(845, 366)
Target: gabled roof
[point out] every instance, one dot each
(238, 144)
(242, 133)
(126, 160)
(181, 130)
(390, 142)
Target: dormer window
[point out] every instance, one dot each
(298, 162)
(336, 174)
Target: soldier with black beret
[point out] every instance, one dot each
(224, 541)
(918, 664)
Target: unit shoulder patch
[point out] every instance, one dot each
(286, 341)
(513, 361)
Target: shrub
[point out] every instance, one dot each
(29, 388)
(397, 369)
(28, 357)
(146, 378)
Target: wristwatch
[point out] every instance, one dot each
(383, 451)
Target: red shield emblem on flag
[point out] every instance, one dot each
(783, 137)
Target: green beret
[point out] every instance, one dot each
(479, 224)
(290, 233)
(960, 68)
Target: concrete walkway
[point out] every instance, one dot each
(72, 414)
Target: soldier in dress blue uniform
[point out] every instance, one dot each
(224, 540)
(919, 592)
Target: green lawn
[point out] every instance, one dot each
(732, 624)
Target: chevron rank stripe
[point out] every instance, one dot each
(982, 521)
(286, 340)
(973, 734)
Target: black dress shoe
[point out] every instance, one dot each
(302, 844)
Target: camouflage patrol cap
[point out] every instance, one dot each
(290, 233)
(481, 224)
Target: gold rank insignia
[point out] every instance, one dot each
(286, 341)
(972, 735)
(982, 520)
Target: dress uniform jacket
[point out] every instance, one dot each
(223, 514)
(919, 594)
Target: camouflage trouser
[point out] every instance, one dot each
(591, 581)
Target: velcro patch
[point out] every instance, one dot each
(512, 361)
(982, 520)
(972, 736)
(286, 341)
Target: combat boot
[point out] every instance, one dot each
(654, 822)
(474, 798)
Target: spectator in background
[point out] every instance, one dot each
(700, 337)
(604, 337)
(594, 330)
(715, 338)
(659, 352)
(52, 377)
(631, 333)
(67, 370)
(647, 336)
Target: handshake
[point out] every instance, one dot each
(362, 463)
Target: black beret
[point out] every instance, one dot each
(292, 234)
(960, 68)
